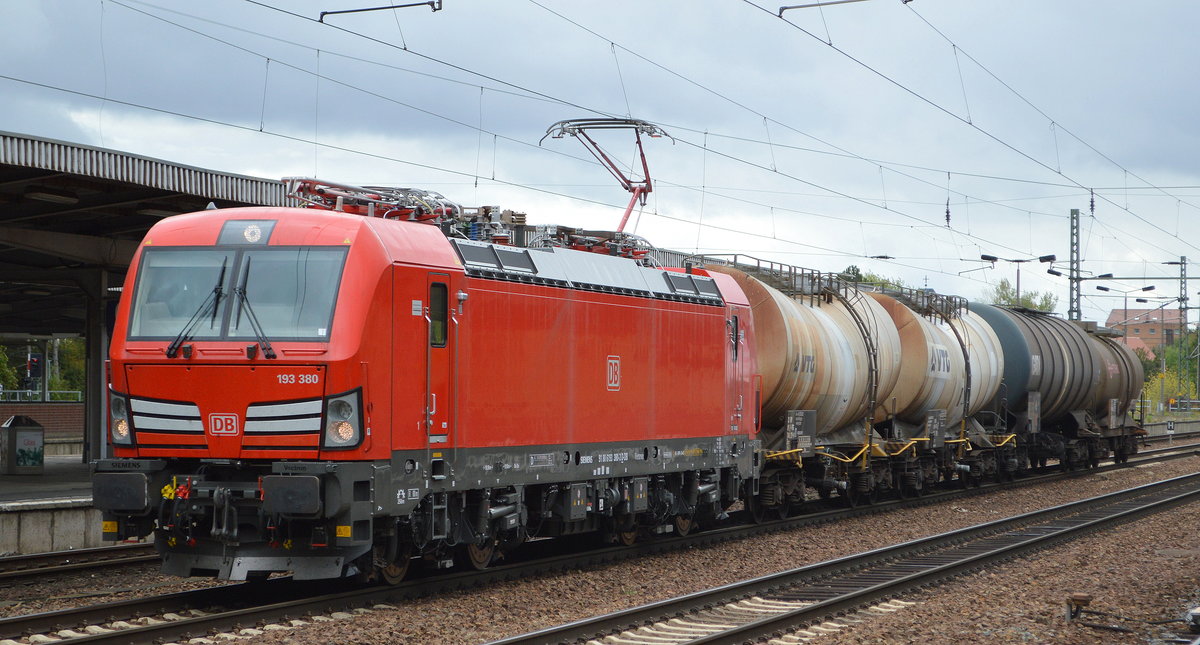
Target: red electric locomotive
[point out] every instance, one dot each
(340, 389)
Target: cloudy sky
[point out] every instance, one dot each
(820, 139)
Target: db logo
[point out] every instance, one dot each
(614, 373)
(220, 424)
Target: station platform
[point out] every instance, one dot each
(51, 511)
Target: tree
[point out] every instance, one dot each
(1166, 386)
(1003, 293)
(8, 373)
(70, 373)
(853, 274)
(1150, 365)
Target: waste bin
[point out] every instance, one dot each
(21, 446)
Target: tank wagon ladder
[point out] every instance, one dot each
(839, 290)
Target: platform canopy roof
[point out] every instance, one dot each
(68, 212)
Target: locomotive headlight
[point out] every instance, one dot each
(343, 421)
(342, 432)
(121, 431)
(340, 410)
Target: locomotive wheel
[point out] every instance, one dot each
(481, 557)
(684, 524)
(627, 538)
(395, 571)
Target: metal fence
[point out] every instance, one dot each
(1161, 427)
(35, 396)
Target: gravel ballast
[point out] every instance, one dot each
(1144, 570)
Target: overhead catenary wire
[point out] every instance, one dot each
(521, 91)
(951, 114)
(459, 173)
(511, 85)
(1037, 109)
(436, 114)
(547, 97)
(756, 112)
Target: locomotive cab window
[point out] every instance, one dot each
(291, 292)
(437, 314)
(176, 284)
(213, 293)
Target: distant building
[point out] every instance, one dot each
(1146, 328)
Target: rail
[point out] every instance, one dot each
(228, 605)
(38, 565)
(765, 607)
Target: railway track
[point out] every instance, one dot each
(239, 607)
(16, 567)
(781, 607)
(37, 565)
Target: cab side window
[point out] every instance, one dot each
(437, 314)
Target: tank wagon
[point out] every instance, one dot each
(386, 377)
(869, 391)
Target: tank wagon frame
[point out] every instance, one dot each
(387, 377)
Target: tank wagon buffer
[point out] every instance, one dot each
(386, 377)
(869, 391)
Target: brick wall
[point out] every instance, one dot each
(61, 420)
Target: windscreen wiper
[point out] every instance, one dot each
(213, 300)
(259, 334)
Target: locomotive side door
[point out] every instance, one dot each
(734, 382)
(438, 364)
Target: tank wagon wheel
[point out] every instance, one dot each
(684, 524)
(759, 513)
(754, 505)
(481, 556)
(855, 497)
(627, 538)
(782, 511)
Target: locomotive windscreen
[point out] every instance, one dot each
(291, 291)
